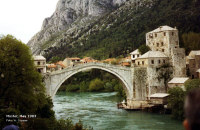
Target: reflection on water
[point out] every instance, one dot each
(99, 111)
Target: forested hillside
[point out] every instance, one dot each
(120, 32)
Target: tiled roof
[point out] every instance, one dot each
(159, 95)
(193, 53)
(126, 64)
(178, 80)
(61, 64)
(136, 52)
(74, 58)
(51, 66)
(163, 28)
(153, 54)
(39, 57)
(108, 60)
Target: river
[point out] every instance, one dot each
(99, 111)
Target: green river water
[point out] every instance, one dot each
(99, 110)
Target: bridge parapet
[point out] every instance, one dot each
(119, 67)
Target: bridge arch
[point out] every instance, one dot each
(54, 80)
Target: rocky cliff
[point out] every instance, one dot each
(70, 18)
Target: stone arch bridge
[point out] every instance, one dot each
(54, 80)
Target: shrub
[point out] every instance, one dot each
(176, 102)
(191, 84)
(72, 88)
(96, 85)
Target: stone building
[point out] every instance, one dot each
(71, 61)
(60, 65)
(198, 73)
(177, 82)
(193, 64)
(134, 55)
(151, 59)
(166, 40)
(153, 70)
(40, 63)
(51, 68)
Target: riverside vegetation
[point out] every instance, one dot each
(177, 97)
(22, 91)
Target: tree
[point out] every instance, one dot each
(177, 96)
(176, 102)
(21, 88)
(143, 49)
(191, 41)
(192, 84)
(96, 85)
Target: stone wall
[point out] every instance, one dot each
(178, 62)
(140, 84)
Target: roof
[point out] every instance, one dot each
(61, 64)
(136, 52)
(193, 53)
(74, 58)
(189, 57)
(126, 63)
(51, 66)
(178, 80)
(88, 59)
(159, 95)
(39, 57)
(163, 28)
(153, 54)
(198, 71)
(108, 60)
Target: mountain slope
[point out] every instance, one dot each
(123, 30)
(69, 18)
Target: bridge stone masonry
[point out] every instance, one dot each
(54, 80)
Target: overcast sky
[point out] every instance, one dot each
(24, 18)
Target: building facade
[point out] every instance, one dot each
(193, 64)
(40, 63)
(71, 61)
(165, 39)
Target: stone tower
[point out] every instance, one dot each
(166, 40)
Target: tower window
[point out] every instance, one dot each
(152, 61)
(142, 62)
(157, 44)
(138, 63)
(172, 33)
(164, 33)
(162, 43)
(155, 34)
(158, 61)
(38, 63)
(163, 50)
(163, 61)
